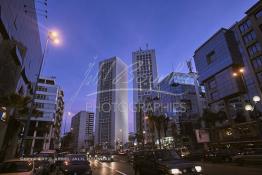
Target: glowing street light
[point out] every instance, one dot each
(54, 37)
(248, 107)
(256, 99)
(239, 71)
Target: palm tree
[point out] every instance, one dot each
(210, 118)
(165, 125)
(140, 137)
(158, 124)
(17, 107)
(150, 120)
(174, 132)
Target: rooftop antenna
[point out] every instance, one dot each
(189, 65)
(146, 46)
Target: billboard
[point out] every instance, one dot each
(202, 136)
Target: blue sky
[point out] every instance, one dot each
(93, 30)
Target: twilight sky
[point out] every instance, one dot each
(93, 30)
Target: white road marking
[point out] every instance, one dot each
(112, 168)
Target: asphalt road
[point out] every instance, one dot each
(121, 167)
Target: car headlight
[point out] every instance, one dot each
(175, 171)
(198, 168)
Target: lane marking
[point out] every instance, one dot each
(112, 168)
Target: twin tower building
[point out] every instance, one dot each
(112, 110)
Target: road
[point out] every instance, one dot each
(121, 167)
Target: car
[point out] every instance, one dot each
(163, 162)
(253, 156)
(23, 166)
(48, 158)
(76, 164)
(222, 156)
(105, 157)
(60, 159)
(196, 155)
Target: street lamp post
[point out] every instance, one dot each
(144, 135)
(240, 72)
(250, 108)
(53, 37)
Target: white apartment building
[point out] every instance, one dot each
(112, 104)
(44, 130)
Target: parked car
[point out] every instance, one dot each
(163, 162)
(183, 151)
(253, 156)
(197, 155)
(220, 155)
(60, 159)
(25, 166)
(48, 158)
(76, 164)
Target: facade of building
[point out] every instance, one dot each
(82, 126)
(248, 33)
(229, 65)
(44, 131)
(144, 80)
(20, 55)
(182, 100)
(112, 104)
(216, 61)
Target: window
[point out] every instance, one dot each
(41, 88)
(249, 37)
(210, 57)
(257, 63)
(212, 84)
(258, 14)
(245, 26)
(254, 49)
(214, 95)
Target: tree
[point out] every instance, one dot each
(165, 125)
(17, 108)
(150, 120)
(66, 143)
(158, 124)
(210, 118)
(221, 116)
(139, 137)
(174, 132)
